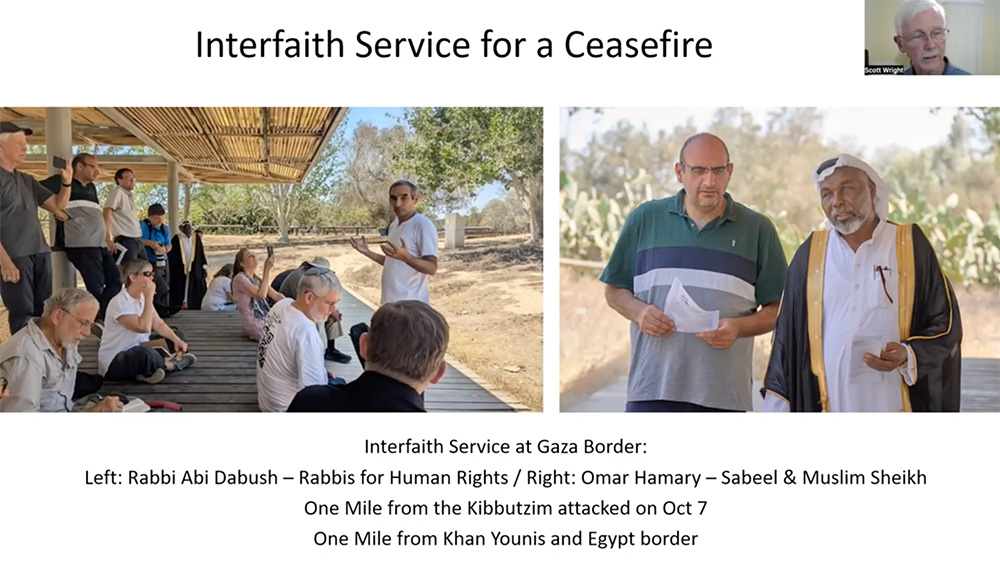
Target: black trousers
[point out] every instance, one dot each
(86, 384)
(161, 301)
(139, 360)
(26, 298)
(100, 273)
(133, 247)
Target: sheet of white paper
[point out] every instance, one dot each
(120, 250)
(688, 316)
(860, 346)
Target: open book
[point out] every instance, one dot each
(135, 405)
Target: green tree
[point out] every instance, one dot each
(370, 167)
(286, 201)
(456, 151)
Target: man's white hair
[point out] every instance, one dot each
(911, 8)
(67, 299)
(319, 282)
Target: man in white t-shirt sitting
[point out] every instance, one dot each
(290, 353)
(410, 251)
(135, 338)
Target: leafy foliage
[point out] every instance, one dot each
(457, 150)
(948, 190)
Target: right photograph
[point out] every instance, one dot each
(780, 259)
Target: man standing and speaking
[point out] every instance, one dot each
(726, 256)
(411, 248)
(868, 321)
(410, 254)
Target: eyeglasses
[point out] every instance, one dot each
(919, 38)
(82, 322)
(329, 304)
(700, 171)
(147, 273)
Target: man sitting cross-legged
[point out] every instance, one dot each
(135, 338)
(39, 364)
(290, 353)
(405, 354)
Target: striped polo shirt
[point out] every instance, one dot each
(734, 264)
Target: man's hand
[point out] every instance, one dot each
(892, 357)
(158, 248)
(10, 272)
(67, 175)
(110, 240)
(360, 245)
(654, 322)
(723, 337)
(398, 252)
(180, 346)
(110, 404)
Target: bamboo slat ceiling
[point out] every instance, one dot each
(211, 144)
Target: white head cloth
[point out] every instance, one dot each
(846, 160)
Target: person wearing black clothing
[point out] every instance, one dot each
(82, 236)
(404, 354)
(187, 266)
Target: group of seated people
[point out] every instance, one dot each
(40, 363)
(294, 321)
(402, 353)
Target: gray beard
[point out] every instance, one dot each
(855, 224)
(850, 226)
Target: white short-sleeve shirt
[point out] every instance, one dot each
(117, 337)
(399, 280)
(289, 357)
(217, 291)
(124, 220)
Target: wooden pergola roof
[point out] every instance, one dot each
(210, 144)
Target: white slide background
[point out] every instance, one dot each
(765, 53)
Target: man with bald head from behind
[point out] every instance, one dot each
(726, 256)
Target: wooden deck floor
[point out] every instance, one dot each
(225, 378)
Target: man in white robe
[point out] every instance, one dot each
(868, 321)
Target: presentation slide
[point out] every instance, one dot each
(268, 234)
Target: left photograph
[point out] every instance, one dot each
(235, 259)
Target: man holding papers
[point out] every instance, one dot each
(690, 272)
(868, 322)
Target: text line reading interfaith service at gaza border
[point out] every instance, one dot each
(576, 44)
